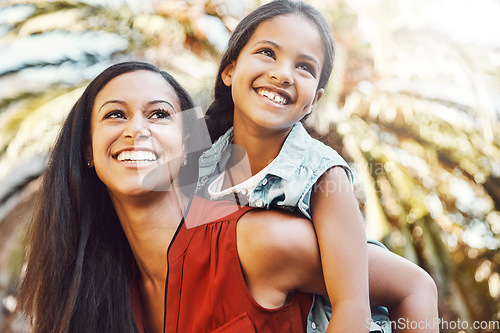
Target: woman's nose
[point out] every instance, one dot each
(137, 128)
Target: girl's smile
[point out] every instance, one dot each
(277, 96)
(274, 81)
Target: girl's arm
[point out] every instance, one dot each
(405, 289)
(279, 254)
(343, 250)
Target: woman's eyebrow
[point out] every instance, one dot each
(117, 101)
(113, 101)
(158, 101)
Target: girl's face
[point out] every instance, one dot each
(136, 126)
(275, 78)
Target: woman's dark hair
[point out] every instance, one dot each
(79, 263)
(219, 115)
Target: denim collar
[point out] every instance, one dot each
(217, 155)
(288, 160)
(292, 153)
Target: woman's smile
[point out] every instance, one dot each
(136, 128)
(139, 157)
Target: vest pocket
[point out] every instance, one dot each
(241, 323)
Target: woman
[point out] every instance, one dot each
(95, 224)
(99, 236)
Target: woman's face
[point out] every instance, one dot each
(136, 134)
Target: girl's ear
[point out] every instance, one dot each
(318, 95)
(227, 74)
(316, 99)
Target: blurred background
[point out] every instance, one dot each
(413, 104)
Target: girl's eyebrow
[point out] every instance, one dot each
(302, 55)
(268, 42)
(117, 101)
(310, 58)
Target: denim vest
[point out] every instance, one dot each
(288, 185)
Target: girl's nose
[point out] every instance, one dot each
(281, 73)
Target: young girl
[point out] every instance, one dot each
(271, 76)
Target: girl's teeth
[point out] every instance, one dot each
(277, 98)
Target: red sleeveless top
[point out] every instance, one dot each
(206, 290)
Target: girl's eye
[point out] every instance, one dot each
(266, 52)
(116, 114)
(308, 68)
(160, 114)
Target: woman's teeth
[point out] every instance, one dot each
(275, 97)
(136, 156)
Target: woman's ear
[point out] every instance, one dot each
(227, 74)
(185, 152)
(89, 157)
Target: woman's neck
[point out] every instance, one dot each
(150, 222)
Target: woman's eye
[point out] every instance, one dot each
(267, 52)
(160, 114)
(115, 115)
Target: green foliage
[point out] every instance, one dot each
(413, 111)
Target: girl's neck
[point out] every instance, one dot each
(261, 147)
